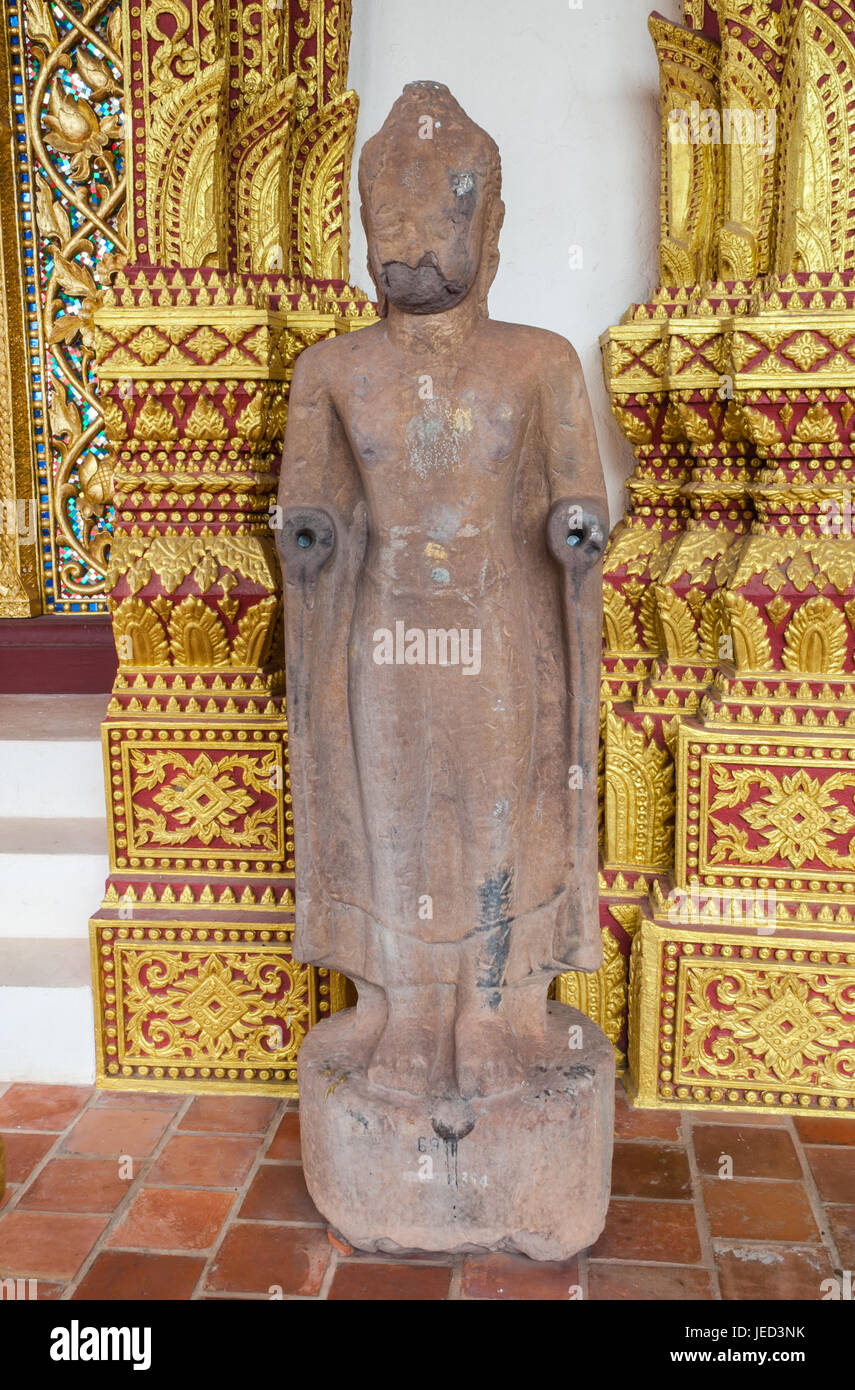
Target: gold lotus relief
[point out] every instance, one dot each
(639, 796)
(236, 1009)
(601, 995)
(667, 624)
(619, 629)
(197, 637)
(732, 630)
(255, 633)
(798, 818)
(816, 639)
(680, 352)
(768, 1027)
(202, 799)
(139, 635)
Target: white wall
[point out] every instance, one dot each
(571, 97)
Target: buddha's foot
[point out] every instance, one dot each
(486, 1054)
(404, 1058)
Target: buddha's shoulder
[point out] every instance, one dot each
(541, 344)
(331, 354)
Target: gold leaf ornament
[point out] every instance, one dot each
(40, 26)
(197, 635)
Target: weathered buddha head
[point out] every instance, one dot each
(430, 182)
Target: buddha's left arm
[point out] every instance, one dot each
(576, 532)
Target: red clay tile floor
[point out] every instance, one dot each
(132, 1196)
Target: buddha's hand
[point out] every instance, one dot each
(576, 531)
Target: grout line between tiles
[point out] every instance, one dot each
(701, 1218)
(329, 1275)
(263, 1144)
(817, 1206)
(134, 1186)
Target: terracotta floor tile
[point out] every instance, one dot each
(138, 1100)
(230, 1114)
(76, 1184)
(24, 1152)
(639, 1230)
(35, 1289)
(747, 1119)
(626, 1281)
(46, 1246)
(173, 1218)
(842, 1220)
(834, 1172)
(769, 1272)
(755, 1153)
(203, 1160)
(115, 1131)
(402, 1282)
(279, 1193)
(515, 1277)
(641, 1168)
(286, 1140)
(8, 1193)
(759, 1210)
(49, 1293)
(42, 1107)
(825, 1129)
(256, 1258)
(125, 1274)
(643, 1124)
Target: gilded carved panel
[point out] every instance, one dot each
(729, 671)
(63, 82)
(742, 1021)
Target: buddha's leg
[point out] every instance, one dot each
(491, 794)
(414, 1053)
(390, 720)
(485, 1045)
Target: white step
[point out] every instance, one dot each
(50, 756)
(46, 1028)
(52, 876)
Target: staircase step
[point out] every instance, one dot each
(46, 1030)
(50, 756)
(52, 876)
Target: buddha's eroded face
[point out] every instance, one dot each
(424, 205)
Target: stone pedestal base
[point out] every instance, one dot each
(526, 1171)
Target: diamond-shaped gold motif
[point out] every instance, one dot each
(805, 350)
(786, 1026)
(149, 345)
(206, 797)
(215, 1007)
(207, 344)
